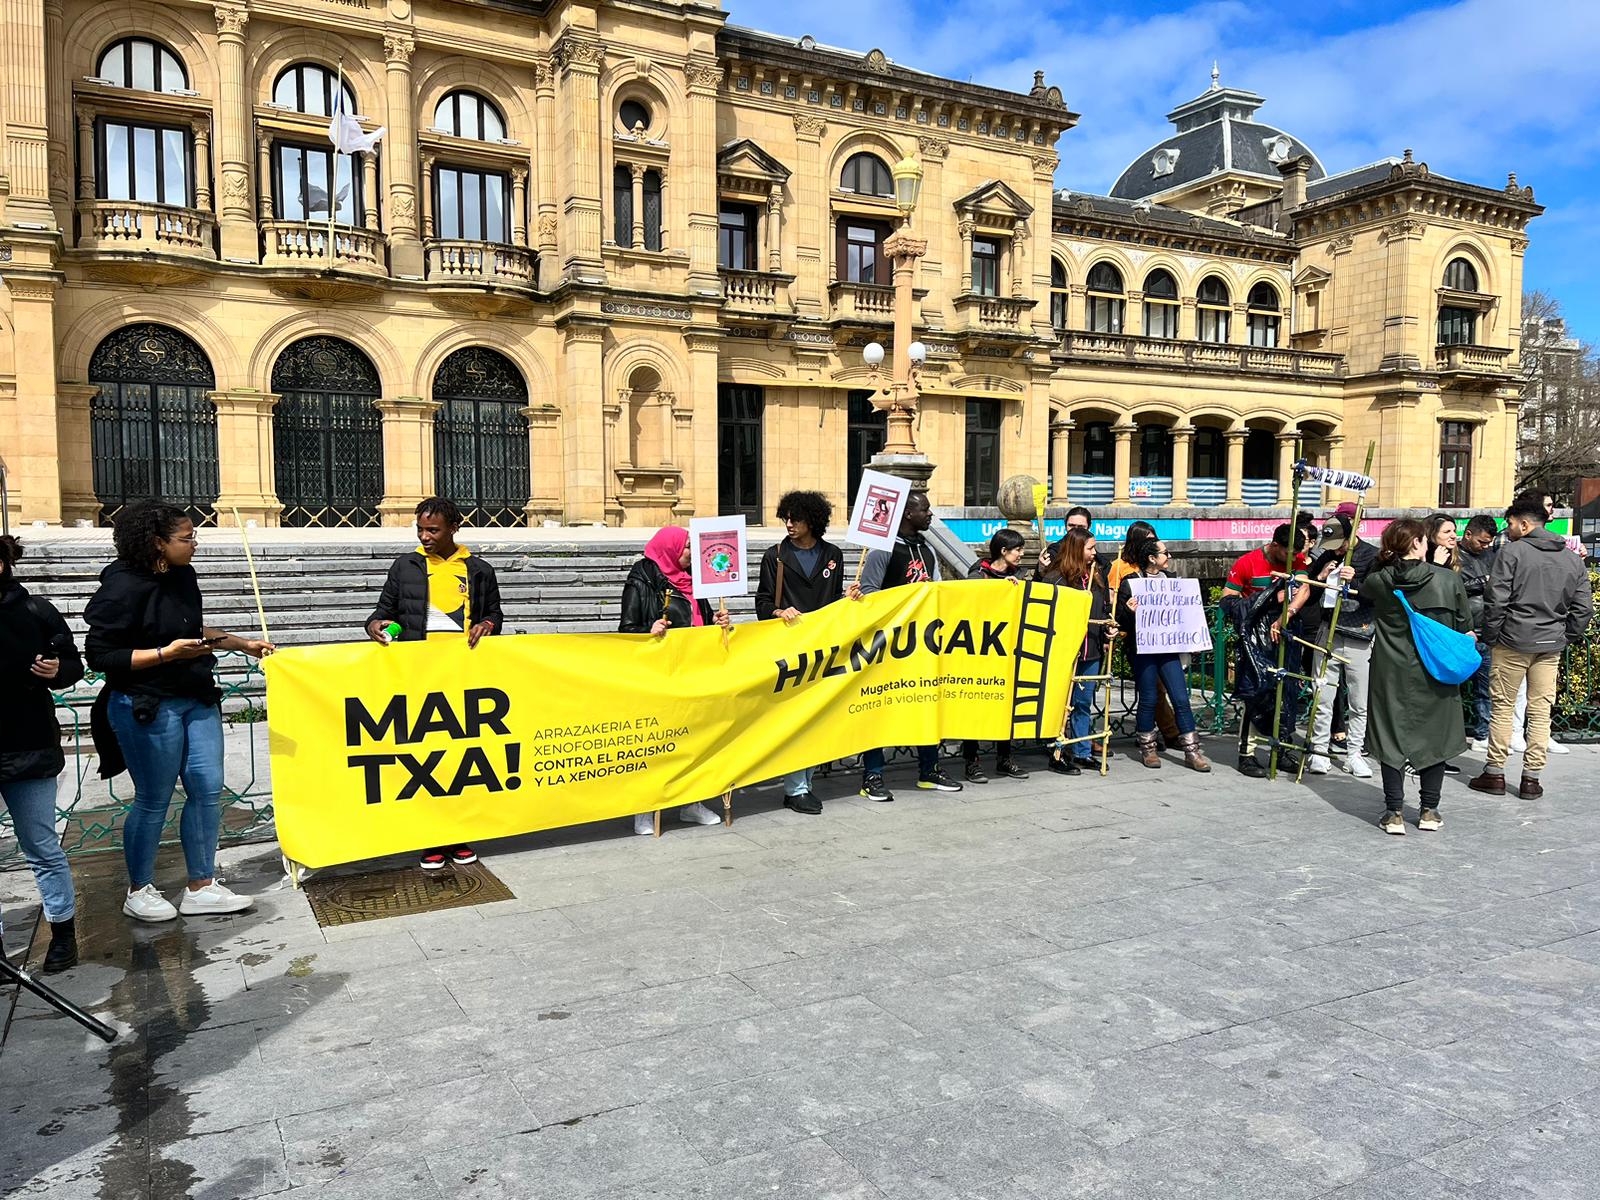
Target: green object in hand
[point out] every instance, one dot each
(392, 629)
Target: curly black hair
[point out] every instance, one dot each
(810, 507)
(10, 551)
(140, 526)
(445, 510)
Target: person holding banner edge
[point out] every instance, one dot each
(659, 596)
(1074, 564)
(801, 574)
(439, 590)
(912, 561)
(1151, 669)
(1004, 562)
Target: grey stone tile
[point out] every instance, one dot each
(1412, 1181)
(237, 1165)
(1553, 1153)
(381, 1183)
(808, 1170)
(825, 976)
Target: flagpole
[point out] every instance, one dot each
(333, 183)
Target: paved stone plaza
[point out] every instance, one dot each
(1148, 987)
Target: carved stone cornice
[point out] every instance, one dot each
(809, 126)
(577, 49)
(704, 76)
(935, 148)
(1046, 164)
(398, 48)
(1403, 230)
(231, 22)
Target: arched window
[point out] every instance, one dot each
(469, 115)
(1058, 296)
(152, 425)
(480, 437)
(1212, 307)
(1461, 276)
(143, 64)
(1160, 305)
(311, 88)
(866, 175)
(328, 434)
(1262, 315)
(622, 205)
(1106, 300)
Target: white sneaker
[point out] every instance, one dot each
(644, 824)
(147, 904)
(1556, 747)
(1477, 745)
(211, 900)
(1519, 744)
(1358, 767)
(698, 814)
(1318, 764)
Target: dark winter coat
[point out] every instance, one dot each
(138, 609)
(646, 593)
(803, 592)
(1355, 614)
(1096, 639)
(30, 736)
(404, 598)
(1411, 716)
(1475, 572)
(1538, 599)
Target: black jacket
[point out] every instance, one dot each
(647, 593)
(1097, 636)
(1355, 615)
(800, 591)
(983, 570)
(404, 598)
(136, 609)
(30, 737)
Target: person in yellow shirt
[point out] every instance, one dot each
(438, 590)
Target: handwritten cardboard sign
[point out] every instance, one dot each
(1170, 617)
(717, 556)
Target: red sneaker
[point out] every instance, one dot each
(463, 856)
(433, 860)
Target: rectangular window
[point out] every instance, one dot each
(1097, 448)
(1160, 320)
(1210, 455)
(1213, 324)
(1455, 464)
(985, 267)
(983, 452)
(472, 206)
(1058, 311)
(868, 430)
(860, 252)
(652, 210)
(301, 191)
(1263, 330)
(1457, 326)
(622, 206)
(1105, 314)
(147, 163)
(1155, 451)
(736, 238)
(739, 421)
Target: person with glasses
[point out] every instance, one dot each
(158, 716)
(1150, 671)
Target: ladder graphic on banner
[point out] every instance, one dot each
(1035, 634)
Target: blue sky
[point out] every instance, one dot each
(1476, 87)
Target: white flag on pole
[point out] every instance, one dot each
(345, 132)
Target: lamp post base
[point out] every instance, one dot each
(914, 467)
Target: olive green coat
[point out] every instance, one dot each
(1412, 717)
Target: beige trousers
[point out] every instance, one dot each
(1507, 670)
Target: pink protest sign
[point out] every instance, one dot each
(717, 557)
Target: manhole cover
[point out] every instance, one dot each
(346, 899)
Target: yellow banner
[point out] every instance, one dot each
(381, 749)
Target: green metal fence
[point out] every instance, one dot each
(90, 812)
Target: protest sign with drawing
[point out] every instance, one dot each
(1170, 617)
(717, 556)
(880, 502)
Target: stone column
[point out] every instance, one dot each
(519, 206)
(1188, 323)
(1122, 470)
(700, 416)
(1286, 445)
(1182, 448)
(619, 434)
(34, 459)
(369, 191)
(545, 163)
(264, 174)
(545, 496)
(405, 247)
(1335, 451)
(1238, 326)
(1076, 296)
(246, 462)
(704, 77)
(86, 156)
(78, 501)
(1133, 315)
(58, 114)
(584, 431)
(813, 231)
(237, 222)
(964, 227)
(665, 403)
(427, 195)
(26, 128)
(202, 166)
(577, 57)
(774, 229)
(408, 475)
(637, 236)
(1234, 498)
(1060, 459)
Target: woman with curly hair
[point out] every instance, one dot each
(37, 655)
(158, 715)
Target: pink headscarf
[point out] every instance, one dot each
(665, 549)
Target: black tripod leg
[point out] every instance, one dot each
(56, 1000)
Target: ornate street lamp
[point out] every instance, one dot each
(899, 394)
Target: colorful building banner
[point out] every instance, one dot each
(978, 531)
(382, 749)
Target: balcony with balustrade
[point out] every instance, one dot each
(1469, 360)
(111, 225)
(1001, 316)
(757, 297)
(1080, 346)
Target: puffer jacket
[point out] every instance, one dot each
(30, 736)
(404, 599)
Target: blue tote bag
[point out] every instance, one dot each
(1447, 656)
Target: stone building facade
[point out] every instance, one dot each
(618, 262)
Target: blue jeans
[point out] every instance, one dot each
(1147, 669)
(1083, 710)
(798, 783)
(183, 742)
(33, 814)
(1480, 700)
(927, 761)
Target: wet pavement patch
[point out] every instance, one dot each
(372, 896)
